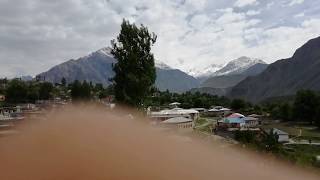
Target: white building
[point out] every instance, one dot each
(174, 104)
(219, 111)
(180, 122)
(173, 113)
(283, 136)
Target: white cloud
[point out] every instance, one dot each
(296, 2)
(253, 12)
(243, 3)
(270, 4)
(299, 15)
(37, 34)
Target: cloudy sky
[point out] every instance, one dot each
(37, 34)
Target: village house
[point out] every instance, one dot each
(219, 111)
(282, 136)
(201, 110)
(238, 121)
(179, 122)
(251, 122)
(172, 113)
(11, 114)
(174, 105)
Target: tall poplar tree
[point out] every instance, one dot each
(135, 71)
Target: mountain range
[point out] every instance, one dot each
(284, 77)
(230, 75)
(97, 68)
(247, 78)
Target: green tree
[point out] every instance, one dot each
(245, 137)
(317, 118)
(76, 90)
(238, 104)
(270, 141)
(63, 82)
(285, 111)
(80, 91)
(45, 90)
(305, 106)
(16, 91)
(135, 71)
(33, 93)
(85, 90)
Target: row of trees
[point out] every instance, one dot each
(86, 91)
(187, 100)
(18, 91)
(304, 108)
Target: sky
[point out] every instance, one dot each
(192, 34)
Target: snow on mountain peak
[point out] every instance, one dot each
(204, 72)
(238, 65)
(162, 65)
(105, 51)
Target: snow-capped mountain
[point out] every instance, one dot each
(204, 72)
(238, 66)
(221, 81)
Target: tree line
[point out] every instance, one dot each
(18, 91)
(305, 107)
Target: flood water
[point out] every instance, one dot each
(87, 142)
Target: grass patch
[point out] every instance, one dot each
(204, 124)
(303, 155)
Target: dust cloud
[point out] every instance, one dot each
(90, 143)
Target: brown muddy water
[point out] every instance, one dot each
(89, 143)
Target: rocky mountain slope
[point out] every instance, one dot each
(97, 68)
(232, 79)
(284, 77)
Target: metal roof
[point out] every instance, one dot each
(236, 115)
(176, 111)
(279, 132)
(177, 120)
(214, 110)
(250, 119)
(174, 103)
(234, 120)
